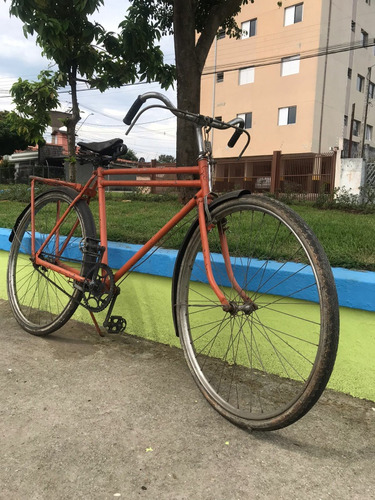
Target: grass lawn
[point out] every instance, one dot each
(348, 238)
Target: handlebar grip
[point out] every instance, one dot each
(237, 134)
(135, 107)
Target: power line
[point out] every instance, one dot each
(93, 88)
(117, 126)
(322, 51)
(334, 49)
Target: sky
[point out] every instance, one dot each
(102, 113)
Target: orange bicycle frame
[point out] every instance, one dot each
(98, 182)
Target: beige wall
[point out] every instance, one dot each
(308, 90)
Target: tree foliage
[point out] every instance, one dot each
(130, 155)
(63, 31)
(133, 55)
(33, 102)
(83, 50)
(10, 140)
(166, 159)
(67, 36)
(194, 25)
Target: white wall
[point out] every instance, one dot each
(352, 174)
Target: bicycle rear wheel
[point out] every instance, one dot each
(43, 300)
(262, 367)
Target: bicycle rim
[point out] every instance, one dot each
(263, 367)
(42, 299)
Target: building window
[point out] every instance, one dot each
(368, 2)
(220, 77)
(290, 65)
(247, 118)
(368, 135)
(220, 34)
(249, 28)
(246, 75)
(356, 127)
(364, 38)
(293, 14)
(345, 120)
(287, 116)
(360, 83)
(371, 90)
(353, 26)
(350, 73)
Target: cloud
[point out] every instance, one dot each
(19, 56)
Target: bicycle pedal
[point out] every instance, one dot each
(115, 325)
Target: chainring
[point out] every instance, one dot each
(99, 291)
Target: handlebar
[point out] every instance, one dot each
(135, 107)
(199, 120)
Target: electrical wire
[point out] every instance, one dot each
(255, 63)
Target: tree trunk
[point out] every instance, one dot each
(191, 54)
(188, 84)
(188, 98)
(71, 126)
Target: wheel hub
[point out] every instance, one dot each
(246, 308)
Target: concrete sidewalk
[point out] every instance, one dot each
(120, 417)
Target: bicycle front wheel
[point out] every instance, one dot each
(264, 366)
(43, 300)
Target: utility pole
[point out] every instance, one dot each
(364, 114)
(351, 131)
(325, 77)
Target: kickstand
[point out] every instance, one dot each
(97, 327)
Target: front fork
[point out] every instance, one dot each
(205, 225)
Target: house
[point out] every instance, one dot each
(46, 160)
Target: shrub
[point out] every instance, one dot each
(20, 192)
(344, 199)
(6, 172)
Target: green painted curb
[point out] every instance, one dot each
(145, 302)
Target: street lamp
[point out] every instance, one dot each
(83, 122)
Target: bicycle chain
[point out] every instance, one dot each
(82, 302)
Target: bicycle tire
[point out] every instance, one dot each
(43, 300)
(263, 369)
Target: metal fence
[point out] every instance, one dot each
(370, 174)
(304, 175)
(11, 174)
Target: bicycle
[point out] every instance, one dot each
(253, 297)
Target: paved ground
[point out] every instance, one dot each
(118, 417)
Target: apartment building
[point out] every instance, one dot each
(302, 77)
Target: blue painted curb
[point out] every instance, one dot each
(356, 289)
